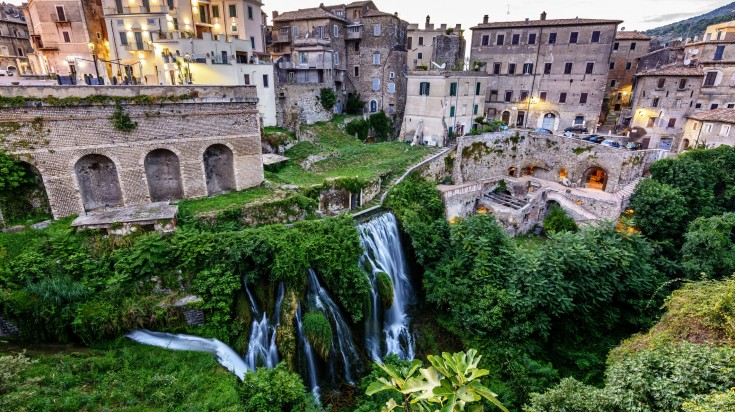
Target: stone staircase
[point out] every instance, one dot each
(610, 122)
(626, 192)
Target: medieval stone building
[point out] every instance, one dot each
(628, 47)
(442, 45)
(14, 42)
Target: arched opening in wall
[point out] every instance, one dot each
(505, 117)
(373, 106)
(528, 170)
(595, 178)
(562, 173)
(684, 145)
(219, 169)
(511, 171)
(163, 172)
(27, 203)
(549, 121)
(549, 205)
(98, 182)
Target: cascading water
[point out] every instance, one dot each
(226, 356)
(384, 253)
(342, 340)
(308, 355)
(262, 347)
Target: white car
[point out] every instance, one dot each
(5, 72)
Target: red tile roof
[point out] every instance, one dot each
(715, 115)
(631, 35)
(305, 14)
(544, 23)
(673, 70)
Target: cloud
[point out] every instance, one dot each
(662, 18)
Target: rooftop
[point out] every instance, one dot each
(631, 35)
(378, 13)
(304, 14)
(715, 115)
(544, 23)
(673, 70)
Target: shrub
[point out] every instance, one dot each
(557, 220)
(385, 289)
(714, 402)
(361, 128)
(570, 395)
(14, 386)
(381, 125)
(355, 105)
(327, 98)
(121, 119)
(273, 390)
(319, 332)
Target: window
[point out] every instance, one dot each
(496, 68)
(612, 65)
(123, 38)
(672, 122)
(710, 78)
(233, 28)
(391, 88)
(562, 97)
(20, 52)
(515, 39)
(500, 39)
(508, 95)
(651, 122)
(656, 102)
(579, 120)
(552, 38)
(376, 30)
(376, 84)
(60, 13)
(478, 88)
(719, 52)
(568, 68)
(595, 37)
(613, 83)
(121, 22)
(707, 128)
(661, 82)
(682, 84)
(215, 11)
(391, 108)
(583, 98)
(524, 95)
(421, 56)
(453, 89)
(511, 68)
(391, 75)
(376, 57)
(520, 119)
(628, 66)
(410, 43)
(725, 130)
(531, 38)
(373, 106)
(451, 111)
(616, 46)
(713, 106)
(250, 12)
(67, 37)
(632, 46)
(421, 41)
(542, 97)
(698, 106)
(4, 51)
(357, 71)
(573, 37)
(590, 68)
(424, 88)
(335, 30)
(677, 103)
(232, 8)
(547, 68)
(528, 68)
(152, 22)
(265, 80)
(485, 40)
(176, 23)
(493, 95)
(475, 109)
(252, 42)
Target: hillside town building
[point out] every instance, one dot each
(442, 45)
(15, 45)
(629, 46)
(710, 128)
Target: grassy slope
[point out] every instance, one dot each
(127, 376)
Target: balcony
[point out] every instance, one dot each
(354, 33)
(136, 47)
(281, 37)
(157, 9)
(305, 66)
(312, 41)
(47, 46)
(60, 20)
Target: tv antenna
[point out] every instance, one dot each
(507, 14)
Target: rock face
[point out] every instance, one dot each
(8, 328)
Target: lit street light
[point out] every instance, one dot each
(94, 59)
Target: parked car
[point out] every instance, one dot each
(577, 128)
(633, 146)
(610, 143)
(4, 72)
(594, 138)
(542, 131)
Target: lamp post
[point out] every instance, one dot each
(94, 60)
(187, 59)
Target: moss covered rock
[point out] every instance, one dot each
(319, 332)
(385, 289)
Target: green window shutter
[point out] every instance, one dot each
(453, 89)
(451, 111)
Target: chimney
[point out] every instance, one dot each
(428, 20)
(395, 14)
(485, 19)
(543, 15)
(457, 28)
(443, 27)
(275, 14)
(527, 19)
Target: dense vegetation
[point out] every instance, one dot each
(691, 27)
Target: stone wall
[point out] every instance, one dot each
(449, 49)
(299, 104)
(86, 163)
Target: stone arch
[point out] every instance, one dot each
(99, 184)
(219, 169)
(505, 117)
(595, 177)
(30, 200)
(548, 121)
(512, 171)
(373, 106)
(163, 172)
(684, 145)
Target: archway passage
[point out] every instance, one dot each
(548, 122)
(505, 117)
(28, 202)
(163, 173)
(219, 169)
(595, 178)
(98, 182)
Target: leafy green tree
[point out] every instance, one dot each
(355, 105)
(274, 390)
(660, 209)
(381, 125)
(709, 250)
(452, 382)
(12, 174)
(558, 220)
(327, 98)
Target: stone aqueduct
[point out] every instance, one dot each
(189, 142)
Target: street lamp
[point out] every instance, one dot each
(187, 59)
(94, 59)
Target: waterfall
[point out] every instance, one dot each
(226, 356)
(342, 340)
(384, 253)
(308, 354)
(262, 347)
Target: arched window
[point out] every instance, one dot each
(98, 182)
(549, 121)
(373, 106)
(505, 117)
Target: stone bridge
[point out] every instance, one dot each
(190, 141)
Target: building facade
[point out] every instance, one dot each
(545, 73)
(15, 45)
(629, 46)
(65, 35)
(441, 45)
(441, 104)
(710, 128)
